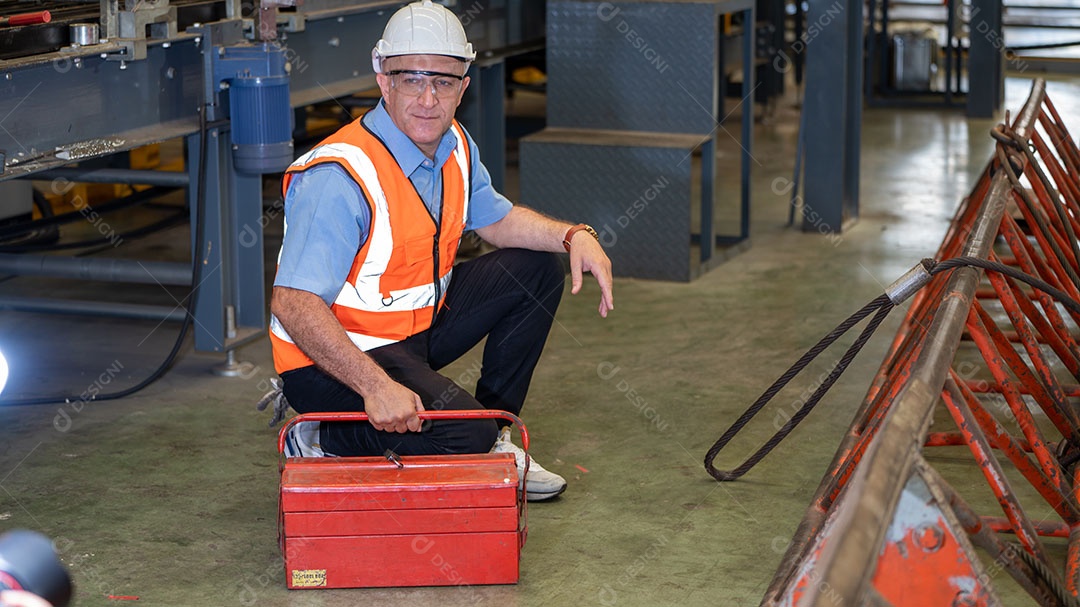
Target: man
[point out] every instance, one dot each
(367, 304)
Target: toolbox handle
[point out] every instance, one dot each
(359, 416)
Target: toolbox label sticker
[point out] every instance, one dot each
(308, 578)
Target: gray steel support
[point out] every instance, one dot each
(708, 199)
(93, 308)
(96, 268)
(986, 63)
(833, 105)
(854, 102)
(484, 115)
(76, 174)
(747, 143)
(230, 257)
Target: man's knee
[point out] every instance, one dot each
(546, 268)
(481, 436)
(551, 266)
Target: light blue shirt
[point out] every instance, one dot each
(328, 219)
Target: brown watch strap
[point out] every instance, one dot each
(574, 230)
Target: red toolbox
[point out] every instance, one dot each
(365, 522)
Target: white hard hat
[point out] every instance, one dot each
(422, 28)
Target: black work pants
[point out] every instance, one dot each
(509, 296)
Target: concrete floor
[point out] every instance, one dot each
(171, 494)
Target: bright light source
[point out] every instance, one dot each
(3, 372)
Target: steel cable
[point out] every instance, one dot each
(882, 305)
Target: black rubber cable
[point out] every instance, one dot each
(35, 236)
(150, 228)
(189, 316)
(882, 305)
(1042, 46)
(134, 199)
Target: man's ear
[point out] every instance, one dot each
(464, 86)
(384, 84)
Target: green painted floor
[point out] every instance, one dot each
(171, 494)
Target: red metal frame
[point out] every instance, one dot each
(1023, 351)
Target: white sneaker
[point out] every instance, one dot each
(302, 440)
(540, 485)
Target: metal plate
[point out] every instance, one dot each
(641, 66)
(639, 199)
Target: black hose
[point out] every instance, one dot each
(151, 228)
(36, 236)
(1040, 46)
(131, 200)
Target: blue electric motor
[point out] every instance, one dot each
(262, 119)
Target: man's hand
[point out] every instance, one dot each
(586, 255)
(392, 407)
(524, 228)
(309, 321)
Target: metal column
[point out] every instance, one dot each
(231, 257)
(986, 80)
(747, 143)
(484, 115)
(834, 115)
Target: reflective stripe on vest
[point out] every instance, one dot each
(391, 289)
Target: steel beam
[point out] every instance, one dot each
(173, 179)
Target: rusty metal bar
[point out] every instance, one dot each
(979, 386)
(982, 535)
(998, 361)
(1001, 439)
(955, 439)
(992, 470)
(1056, 529)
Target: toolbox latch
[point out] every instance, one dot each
(394, 458)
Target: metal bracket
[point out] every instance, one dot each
(132, 25)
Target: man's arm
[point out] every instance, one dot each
(524, 228)
(390, 406)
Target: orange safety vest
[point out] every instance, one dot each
(404, 266)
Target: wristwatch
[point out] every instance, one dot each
(574, 230)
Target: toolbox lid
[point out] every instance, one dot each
(425, 481)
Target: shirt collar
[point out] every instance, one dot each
(409, 157)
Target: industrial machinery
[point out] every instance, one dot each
(85, 81)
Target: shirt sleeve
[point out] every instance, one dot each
(486, 205)
(326, 222)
